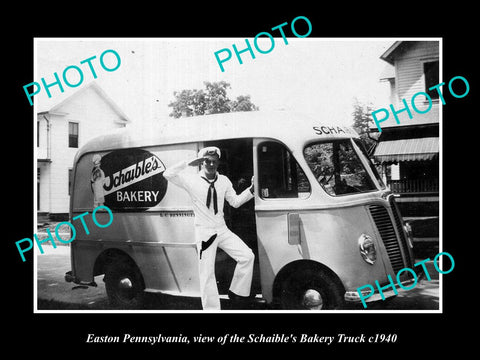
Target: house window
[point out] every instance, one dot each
(73, 135)
(431, 71)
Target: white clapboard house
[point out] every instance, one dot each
(61, 130)
(409, 150)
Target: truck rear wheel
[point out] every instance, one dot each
(311, 289)
(124, 285)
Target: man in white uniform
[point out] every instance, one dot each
(208, 191)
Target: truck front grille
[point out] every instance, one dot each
(399, 224)
(386, 229)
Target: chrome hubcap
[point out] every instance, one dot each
(312, 300)
(125, 287)
(125, 284)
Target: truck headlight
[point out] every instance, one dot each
(367, 249)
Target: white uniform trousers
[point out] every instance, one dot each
(235, 248)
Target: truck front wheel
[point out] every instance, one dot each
(311, 289)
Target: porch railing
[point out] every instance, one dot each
(414, 186)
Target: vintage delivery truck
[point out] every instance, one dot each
(322, 222)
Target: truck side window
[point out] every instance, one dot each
(280, 176)
(338, 168)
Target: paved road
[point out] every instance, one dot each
(54, 293)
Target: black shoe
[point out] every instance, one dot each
(245, 299)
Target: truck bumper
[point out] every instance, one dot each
(354, 297)
(69, 277)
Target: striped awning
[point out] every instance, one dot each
(407, 150)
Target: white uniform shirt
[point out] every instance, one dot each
(198, 189)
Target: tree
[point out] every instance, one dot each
(362, 119)
(243, 103)
(217, 100)
(212, 100)
(188, 103)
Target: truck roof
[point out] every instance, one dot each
(280, 125)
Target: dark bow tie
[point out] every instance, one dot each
(211, 189)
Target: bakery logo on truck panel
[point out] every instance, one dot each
(130, 179)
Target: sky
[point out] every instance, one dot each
(317, 76)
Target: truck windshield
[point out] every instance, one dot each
(338, 168)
